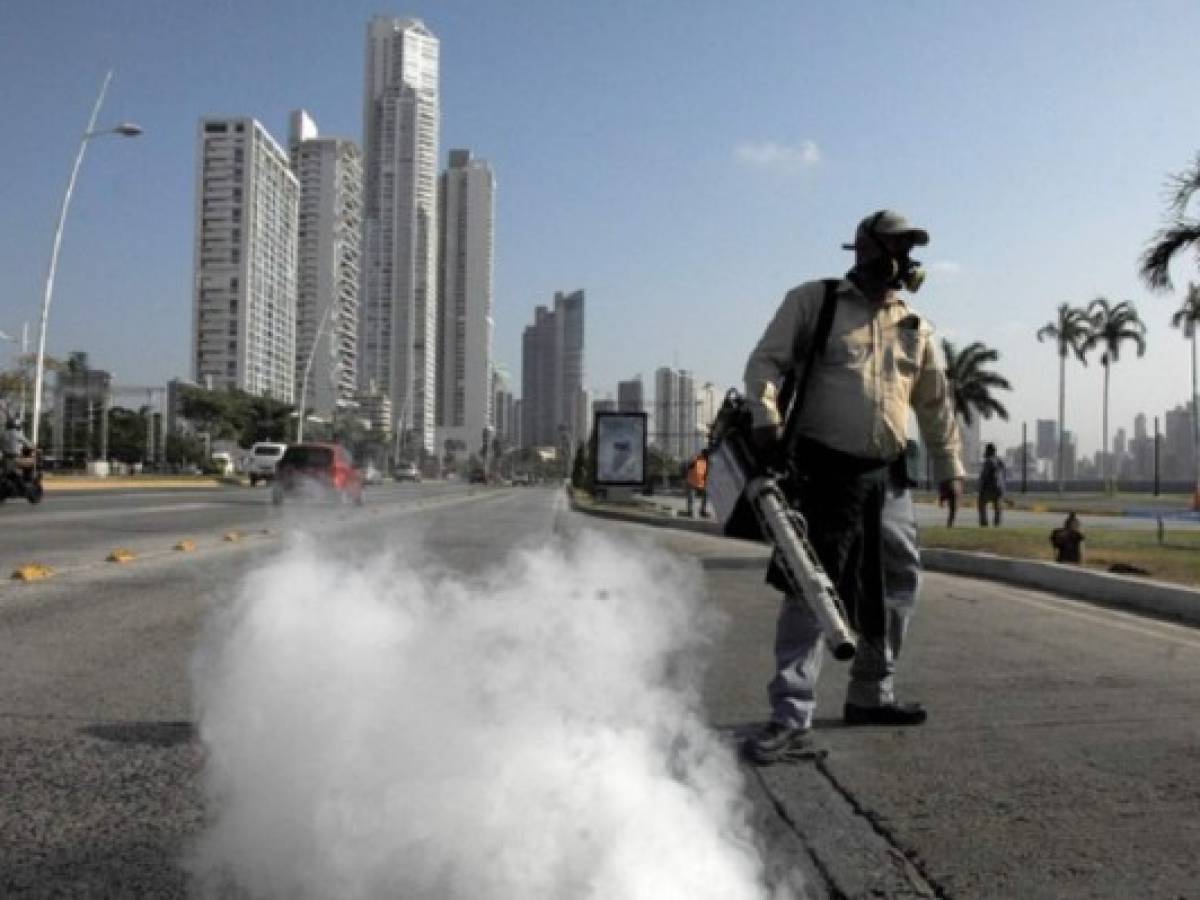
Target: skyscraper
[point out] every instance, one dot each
(972, 443)
(554, 407)
(677, 429)
(244, 285)
(330, 236)
(503, 408)
(464, 361)
(398, 314)
(631, 395)
(666, 402)
(687, 442)
(1047, 439)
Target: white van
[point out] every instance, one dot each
(264, 457)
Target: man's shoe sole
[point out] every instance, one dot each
(893, 716)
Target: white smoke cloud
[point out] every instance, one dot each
(387, 730)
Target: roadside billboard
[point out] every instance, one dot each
(620, 449)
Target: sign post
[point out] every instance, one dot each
(619, 462)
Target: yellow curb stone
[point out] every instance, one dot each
(185, 546)
(32, 572)
(121, 555)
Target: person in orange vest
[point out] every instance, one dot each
(697, 483)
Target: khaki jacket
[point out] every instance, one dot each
(879, 362)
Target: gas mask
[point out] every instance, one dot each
(895, 271)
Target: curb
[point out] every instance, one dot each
(1137, 594)
(1159, 598)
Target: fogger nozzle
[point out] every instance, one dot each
(750, 504)
(786, 531)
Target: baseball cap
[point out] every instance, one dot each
(887, 221)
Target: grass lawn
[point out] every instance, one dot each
(1176, 560)
(1096, 504)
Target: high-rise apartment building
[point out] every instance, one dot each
(398, 314)
(503, 408)
(329, 243)
(244, 284)
(1047, 439)
(464, 341)
(1177, 452)
(554, 405)
(666, 402)
(631, 395)
(972, 443)
(708, 401)
(677, 429)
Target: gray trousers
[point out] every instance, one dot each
(799, 649)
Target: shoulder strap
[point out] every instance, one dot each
(791, 393)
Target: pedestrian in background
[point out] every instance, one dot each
(949, 499)
(862, 359)
(697, 482)
(991, 486)
(1067, 541)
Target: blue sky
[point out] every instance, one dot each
(682, 163)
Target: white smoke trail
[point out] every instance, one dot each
(389, 731)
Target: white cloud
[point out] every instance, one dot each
(777, 157)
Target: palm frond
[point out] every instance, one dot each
(1182, 185)
(1156, 259)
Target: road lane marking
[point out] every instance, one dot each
(1115, 618)
(69, 515)
(421, 505)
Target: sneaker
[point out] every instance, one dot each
(887, 714)
(778, 742)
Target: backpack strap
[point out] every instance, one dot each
(791, 393)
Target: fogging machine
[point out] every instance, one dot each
(745, 493)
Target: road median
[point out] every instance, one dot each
(55, 483)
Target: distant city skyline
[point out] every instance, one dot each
(687, 233)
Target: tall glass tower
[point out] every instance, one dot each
(398, 313)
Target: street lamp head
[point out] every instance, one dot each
(128, 129)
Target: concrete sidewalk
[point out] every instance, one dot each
(1140, 595)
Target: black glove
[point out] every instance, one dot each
(767, 444)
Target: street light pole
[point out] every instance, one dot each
(307, 369)
(125, 130)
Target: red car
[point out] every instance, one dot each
(317, 471)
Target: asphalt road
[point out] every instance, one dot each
(78, 529)
(1060, 759)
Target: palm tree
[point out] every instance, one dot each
(971, 384)
(1187, 317)
(1111, 327)
(1070, 331)
(1181, 231)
